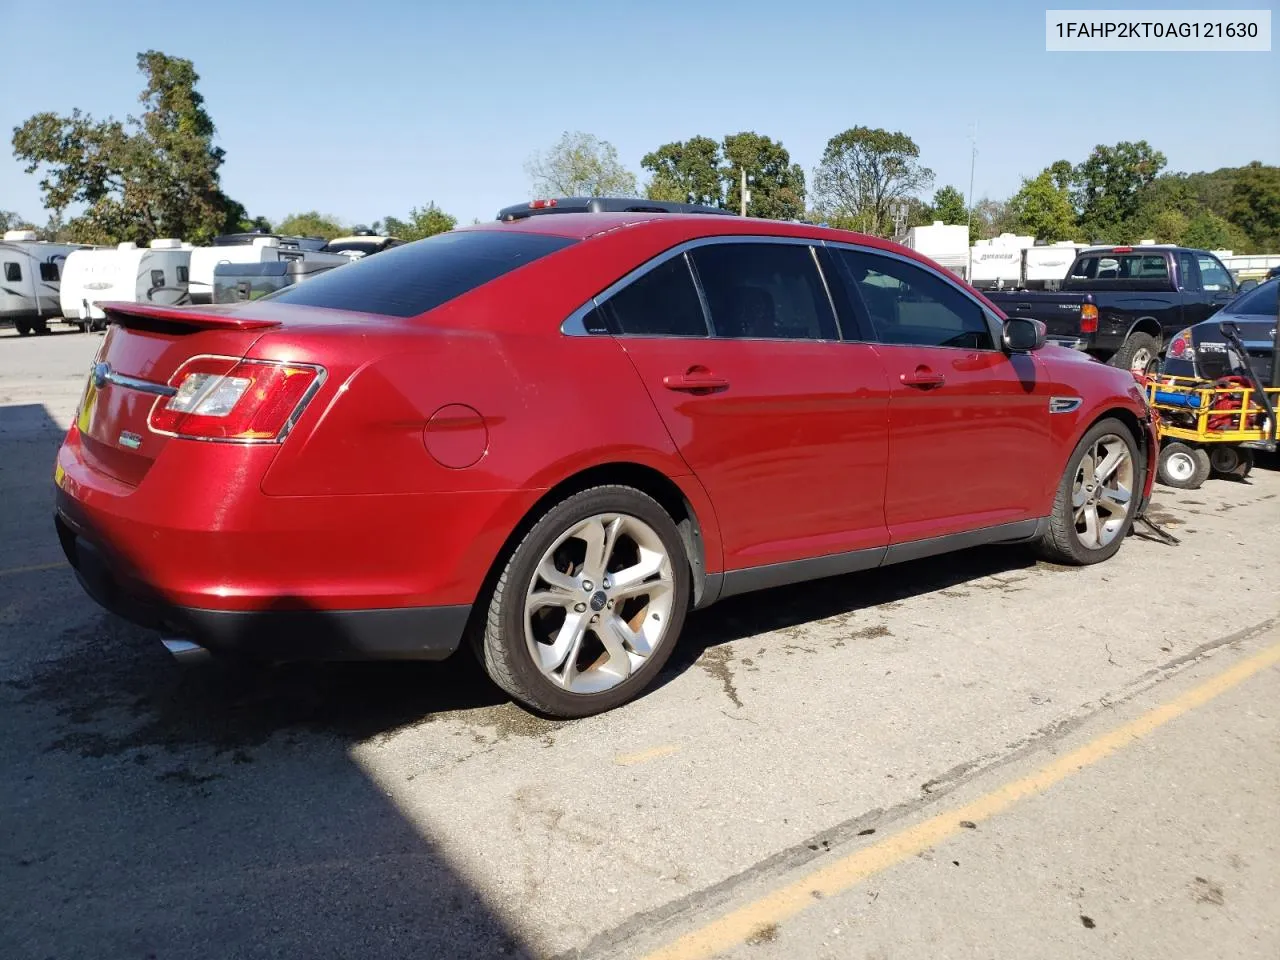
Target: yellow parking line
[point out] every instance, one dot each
(631, 759)
(785, 902)
(33, 569)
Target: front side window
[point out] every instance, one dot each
(770, 291)
(911, 306)
(661, 302)
(184, 275)
(49, 272)
(1213, 275)
(157, 278)
(12, 272)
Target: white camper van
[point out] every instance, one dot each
(155, 274)
(30, 274)
(260, 249)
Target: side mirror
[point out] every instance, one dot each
(1023, 335)
(1246, 286)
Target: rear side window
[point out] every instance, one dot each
(767, 291)
(184, 274)
(910, 306)
(662, 302)
(12, 272)
(157, 278)
(421, 276)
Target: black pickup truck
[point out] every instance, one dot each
(1123, 304)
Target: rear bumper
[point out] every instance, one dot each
(274, 633)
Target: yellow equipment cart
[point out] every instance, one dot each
(1209, 427)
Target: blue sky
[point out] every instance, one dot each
(364, 110)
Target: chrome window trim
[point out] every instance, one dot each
(573, 325)
(994, 327)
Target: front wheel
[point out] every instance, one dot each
(589, 605)
(1096, 499)
(23, 328)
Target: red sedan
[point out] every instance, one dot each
(554, 435)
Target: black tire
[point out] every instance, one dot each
(1137, 345)
(1233, 463)
(1060, 543)
(23, 328)
(1183, 466)
(502, 649)
(40, 326)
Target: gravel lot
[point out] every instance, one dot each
(408, 810)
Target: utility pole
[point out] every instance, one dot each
(973, 160)
(746, 194)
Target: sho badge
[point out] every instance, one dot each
(130, 440)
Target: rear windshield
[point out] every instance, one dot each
(1261, 300)
(416, 277)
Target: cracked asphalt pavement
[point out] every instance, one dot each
(392, 810)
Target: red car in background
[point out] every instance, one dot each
(557, 433)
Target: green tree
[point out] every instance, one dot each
(990, 219)
(1207, 231)
(580, 165)
(150, 176)
(775, 183)
(310, 224)
(1042, 209)
(1255, 205)
(863, 172)
(424, 222)
(686, 172)
(1109, 187)
(948, 206)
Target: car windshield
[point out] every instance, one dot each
(411, 279)
(1260, 301)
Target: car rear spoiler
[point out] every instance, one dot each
(122, 312)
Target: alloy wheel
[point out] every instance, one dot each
(599, 603)
(1102, 492)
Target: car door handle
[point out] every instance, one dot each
(923, 377)
(694, 380)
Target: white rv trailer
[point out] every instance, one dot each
(154, 274)
(263, 249)
(997, 263)
(30, 275)
(1047, 265)
(945, 244)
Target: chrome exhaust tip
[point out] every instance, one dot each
(184, 651)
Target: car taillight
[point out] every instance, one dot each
(1088, 318)
(222, 398)
(1180, 346)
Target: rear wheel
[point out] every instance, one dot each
(23, 327)
(589, 605)
(40, 326)
(1097, 497)
(1183, 466)
(1139, 353)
